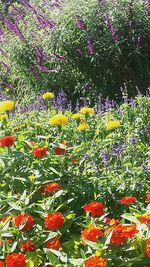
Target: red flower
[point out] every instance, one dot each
(28, 246)
(128, 200)
(145, 218)
(121, 233)
(26, 219)
(53, 243)
(15, 260)
(95, 208)
(59, 150)
(148, 197)
(39, 152)
(95, 261)
(50, 188)
(147, 248)
(1, 264)
(111, 221)
(54, 221)
(92, 233)
(7, 141)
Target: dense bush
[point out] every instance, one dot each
(59, 162)
(86, 47)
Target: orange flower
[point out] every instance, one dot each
(7, 141)
(92, 233)
(1, 264)
(130, 231)
(95, 261)
(28, 246)
(145, 218)
(26, 219)
(147, 248)
(121, 233)
(54, 221)
(74, 161)
(49, 188)
(8, 218)
(39, 152)
(15, 260)
(148, 197)
(111, 221)
(128, 200)
(53, 243)
(95, 208)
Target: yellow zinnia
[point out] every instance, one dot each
(86, 110)
(113, 125)
(6, 105)
(76, 116)
(3, 117)
(83, 127)
(48, 95)
(58, 120)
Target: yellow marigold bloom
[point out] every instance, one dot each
(83, 126)
(113, 125)
(76, 116)
(58, 120)
(6, 105)
(3, 117)
(48, 95)
(87, 110)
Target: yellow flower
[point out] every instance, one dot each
(76, 116)
(113, 124)
(6, 105)
(3, 117)
(87, 110)
(48, 95)
(58, 120)
(83, 126)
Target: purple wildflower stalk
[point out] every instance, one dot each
(90, 46)
(80, 24)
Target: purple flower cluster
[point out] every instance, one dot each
(111, 28)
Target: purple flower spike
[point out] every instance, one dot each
(80, 24)
(90, 46)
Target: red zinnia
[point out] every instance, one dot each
(92, 233)
(1, 264)
(39, 152)
(59, 150)
(15, 260)
(128, 200)
(121, 233)
(7, 141)
(95, 208)
(54, 221)
(147, 248)
(26, 219)
(28, 246)
(95, 261)
(148, 197)
(53, 243)
(49, 188)
(145, 218)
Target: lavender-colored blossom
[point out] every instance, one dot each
(148, 7)
(111, 28)
(79, 23)
(90, 46)
(1, 31)
(13, 28)
(105, 159)
(133, 141)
